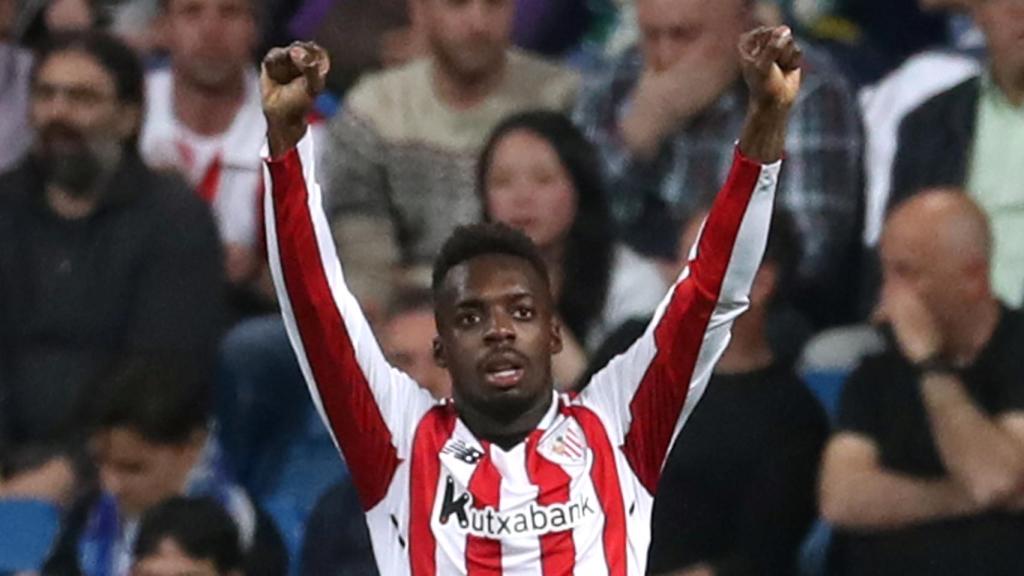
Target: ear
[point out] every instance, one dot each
(440, 353)
(129, 121)
(556, 335)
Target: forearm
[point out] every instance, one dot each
(886, 500)
(642, 134)
(764, 133)
(283, 136)
(976, 451)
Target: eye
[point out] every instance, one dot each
(467, 319)
(523, 313)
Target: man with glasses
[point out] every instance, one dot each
(99, 255)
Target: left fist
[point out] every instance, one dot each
(770, 60)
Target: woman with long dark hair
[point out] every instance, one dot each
(539, 174)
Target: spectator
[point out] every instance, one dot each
(337, 540)
(665, 118)
(98, 255)
(972, 136)
(747, 459)
(39, 21)
(203, 119)
(924, 474)
(400, 174)
(187, 536)
(152, 442)
(361, 35)
(537, 173)
(407, 334)
(15, 65)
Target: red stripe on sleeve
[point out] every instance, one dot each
(351, 410)
(609, 492)
(483, 555)
(425, 469)
(557, 549)
(659, 399)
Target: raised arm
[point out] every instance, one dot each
(370, 408)
(646, 394)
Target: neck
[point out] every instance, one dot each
(1010, 82)
(71, 206)
(462, 93)
(748, 349)
(504, 433)
(207, 111)
(966, 340)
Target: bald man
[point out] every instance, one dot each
(925, 474)
(665, 115)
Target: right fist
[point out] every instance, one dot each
(290, 81)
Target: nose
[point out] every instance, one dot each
(500, 328)
(477, 15)
(53, 107)
(111, 482)
(662, 52)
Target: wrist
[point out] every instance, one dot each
(283, 136)
(934, 363)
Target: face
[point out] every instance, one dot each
(1002, 21)
(696, 31)
(141, 474)
(528, 188)
(7, 11)
(171, 560)
(80, 123)
(407, 340)
(497, 335)
(468, 37)
(913, 259)
(211, 41)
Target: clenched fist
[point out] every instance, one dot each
(770, 60)
(290, 81)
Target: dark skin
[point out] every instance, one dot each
(497, 331)
(496, 335)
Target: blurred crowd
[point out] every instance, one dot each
(154, 421)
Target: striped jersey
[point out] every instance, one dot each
(575, 496)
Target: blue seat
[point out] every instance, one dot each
(29, 529)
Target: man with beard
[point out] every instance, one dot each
(98, 254)
(203, 119)
(400, 165)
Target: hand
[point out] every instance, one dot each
(663, 101)
(912, 323)
(770, 60)
(290, 81)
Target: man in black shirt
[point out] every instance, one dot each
(99, 255)
(740, 479)
(926, 474)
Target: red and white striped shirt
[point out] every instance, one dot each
(575, 497)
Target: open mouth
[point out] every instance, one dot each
(503, 371)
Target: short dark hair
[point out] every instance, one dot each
(113, 55)
(163, 399)
(199, 526)
(469, 241)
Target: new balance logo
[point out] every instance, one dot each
(532, 520)
(463, 452)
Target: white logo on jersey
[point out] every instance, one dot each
(533, 520)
